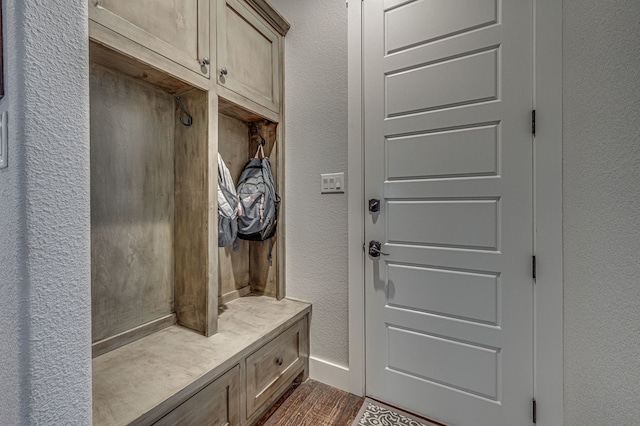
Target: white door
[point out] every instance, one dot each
(448, 151)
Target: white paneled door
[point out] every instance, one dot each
(448, 94)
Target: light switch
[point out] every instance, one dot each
(331, 183)
(4, 140)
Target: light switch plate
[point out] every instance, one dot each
(332, 183)
(4, 140)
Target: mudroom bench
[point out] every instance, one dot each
(177, 376)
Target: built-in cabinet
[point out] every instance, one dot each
(172, 84)
(217, 404)
(178, 30)
(273, 365)
(247, 54)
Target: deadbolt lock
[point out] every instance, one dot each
(374, 205)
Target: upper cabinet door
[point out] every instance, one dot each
(248, 55)
(176, 29)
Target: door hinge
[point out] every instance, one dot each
(533, 267)
(533, 122)
(534, 412)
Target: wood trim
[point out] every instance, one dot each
(106, 345)
(271, 15)
(112, 40)
(232, 97)
(204, 49)
(327, 372)
(114, 60)
(548, 331)
(281, 292)
(212, 216)
(194, 206)
(223, 299)
(356, 210)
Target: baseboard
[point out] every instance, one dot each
(329, 373)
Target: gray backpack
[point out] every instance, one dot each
(258, 200)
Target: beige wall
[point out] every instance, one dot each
(45, 305)
(316, 132)
(601, 191)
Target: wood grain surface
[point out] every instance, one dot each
(233, 269)
(264, 273)
(192, 218)
(313, 403)
(132, 202)
(178, 30)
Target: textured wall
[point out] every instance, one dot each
(45, 357)
(11, 273)
(316, 132)
(602, 211)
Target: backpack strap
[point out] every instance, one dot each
(260, 150)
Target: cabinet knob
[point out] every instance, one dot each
(279, 361)
(205, 61)
(223, 71)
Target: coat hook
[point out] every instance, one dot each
(263, 142)
(184, 112)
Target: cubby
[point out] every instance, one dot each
(149, 206)
(247, 268)
(182, 329)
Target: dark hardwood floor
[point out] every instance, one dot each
(313, 404)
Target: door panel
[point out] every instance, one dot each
(418, 22)
(427, 87)
(177, 30)
(438, 291)
(448, 149)
(452, 222)
(249, 51)
(450, 153)
(446, 355)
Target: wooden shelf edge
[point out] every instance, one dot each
(110, 343)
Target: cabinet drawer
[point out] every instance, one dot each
(177, 29)
(276, 363)
(217, 404)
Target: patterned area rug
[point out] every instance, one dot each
(374, 413)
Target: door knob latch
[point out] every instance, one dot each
(375, 249)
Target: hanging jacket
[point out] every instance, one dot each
(228, 206)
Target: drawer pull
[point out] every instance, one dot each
(279, 361)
